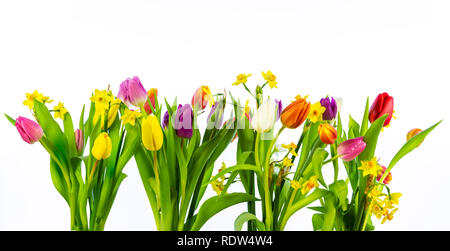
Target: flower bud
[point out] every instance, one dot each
(350, 149)
(183, 121)
(295, 113)
(265, 117)
(102, 146)
(331, 108)
(152, 135)
(152, 95)
(383, 104)
(79, 140)
(202, 97)
(132, 92)
(29, 130)
(327, 134)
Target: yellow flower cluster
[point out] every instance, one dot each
(38, 96)
(291, 148)
(382, 205)
(307, 186)
(105, 102)
(370, 167)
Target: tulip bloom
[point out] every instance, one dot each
(102, 146)
(380, 174)
(152, 135)
(327, 134)
(165, 122)
(331, 108)
(383, 104)
(295, 113)
(412, 133)
(350, 149)
(183, 121)
(265, 116)
(152, 95)
(202, 97)
(133, 92)
(280, 108)
(79, 140)
(215, 116)
(29, 130)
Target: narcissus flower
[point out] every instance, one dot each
(183, 121)
(202, 97)
(133, 92)
(309, 185)
(241, 79)
(152, 95)
(350, 149)
(79, 140)
(270, 78)
(152, 135)
(130, 116)
(29, 130)
(331, 108)
(291, 148)
(101, 99)
(383, 104)
(327, 134)
(265, 117)
(295, 113)
(60, 111)
(370, 167)
(315, 114)
(102, 146)
(295, 185)
(246, 111)
(35, 95)
(287, 162)
(380, 174)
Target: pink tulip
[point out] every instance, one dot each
(79, 140)
(132, 92)
(29, 130)
(381, 173)
(350, 149)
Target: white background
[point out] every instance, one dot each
(348, 49)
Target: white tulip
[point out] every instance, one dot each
(265, 117)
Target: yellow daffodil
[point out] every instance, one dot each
(130, 117)
(315, 112)
(389, 216)
(152, 135)
(287, 162)
(241, 79)
(270, 78)
(101, 99)
(102, 147)
(295, 185)
(393, 200)
(309, 184)
(246, 110)
(60, 111)
(370, 167)
(291, 148)
(35, 95)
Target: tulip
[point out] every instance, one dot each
(215, 116)
(152, 135)
(132, 92)
(327, 134)
(280, 108)
(152, 95)
(350, 149)
(412, 133)
(165, 122)
(295, 113)
(380, 174)
(383, 104)
(183, 121)
(202, 97)
(79, 140)
(331, 108)
(265, 116)
(29, 130)
(102, 146)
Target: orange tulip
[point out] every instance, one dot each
(327, 134)
(412, 133)
(295, 113)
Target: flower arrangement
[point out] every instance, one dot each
(176, 159)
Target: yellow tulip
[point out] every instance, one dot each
(102, 146)
(152, 136)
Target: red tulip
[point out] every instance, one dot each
(152, 95)
(383, 104)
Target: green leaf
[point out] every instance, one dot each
(330, 214)
(244, 217)
(340, 189)
(371, 138)
(353, 128)
(317, 194)
(58, 180)
(13, 121)
(317, 160)
(365, 120)
(214, 205)
(235, 168)
(317, 221)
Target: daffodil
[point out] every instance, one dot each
(60, 111)
(35, 95)
(270, 78)
(101, 100)
(241, 79)
(389, 216)
(370, 167)
(291, 148)
(130, 116)
(287, 162)
(246, 110)
(315, 112)
(393, 200)
(217, 185)
(309, 184)
(295, 185)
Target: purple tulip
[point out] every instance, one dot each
(280, 107)
(79, 140)
(29, 130)
(165, 122)
(132, 92)
(215, 117)
(183, 121)
(350, 149)
(331, 108)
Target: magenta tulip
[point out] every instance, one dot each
(133, 92)
(79, 140)
(29, 130)
(350, 149)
